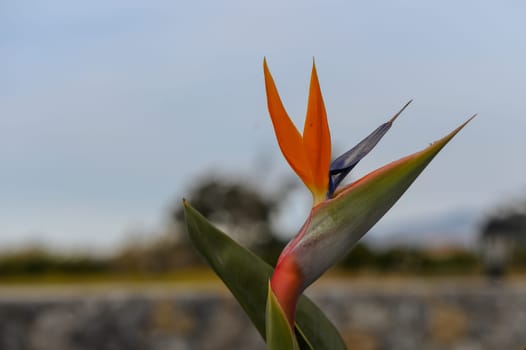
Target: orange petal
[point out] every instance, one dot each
(289, 139)
(317, 139)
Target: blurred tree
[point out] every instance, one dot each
(236, 208)
(400, 259)
(503, 239)
(36, 261)
(162, 254)
(239, 210)
(360, 257)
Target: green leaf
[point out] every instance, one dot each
(279, 334)
(247, 276)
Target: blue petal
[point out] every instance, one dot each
(342, 165)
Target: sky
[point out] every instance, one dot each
(110, 110)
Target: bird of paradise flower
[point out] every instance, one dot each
(339, 217)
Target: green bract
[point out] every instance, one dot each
(335, 225)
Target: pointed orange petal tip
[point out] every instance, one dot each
(289, 139)
(317, 138)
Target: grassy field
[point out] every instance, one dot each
(204, 278)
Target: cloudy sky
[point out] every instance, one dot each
(109, 110)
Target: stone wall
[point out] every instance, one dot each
(372, 316)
